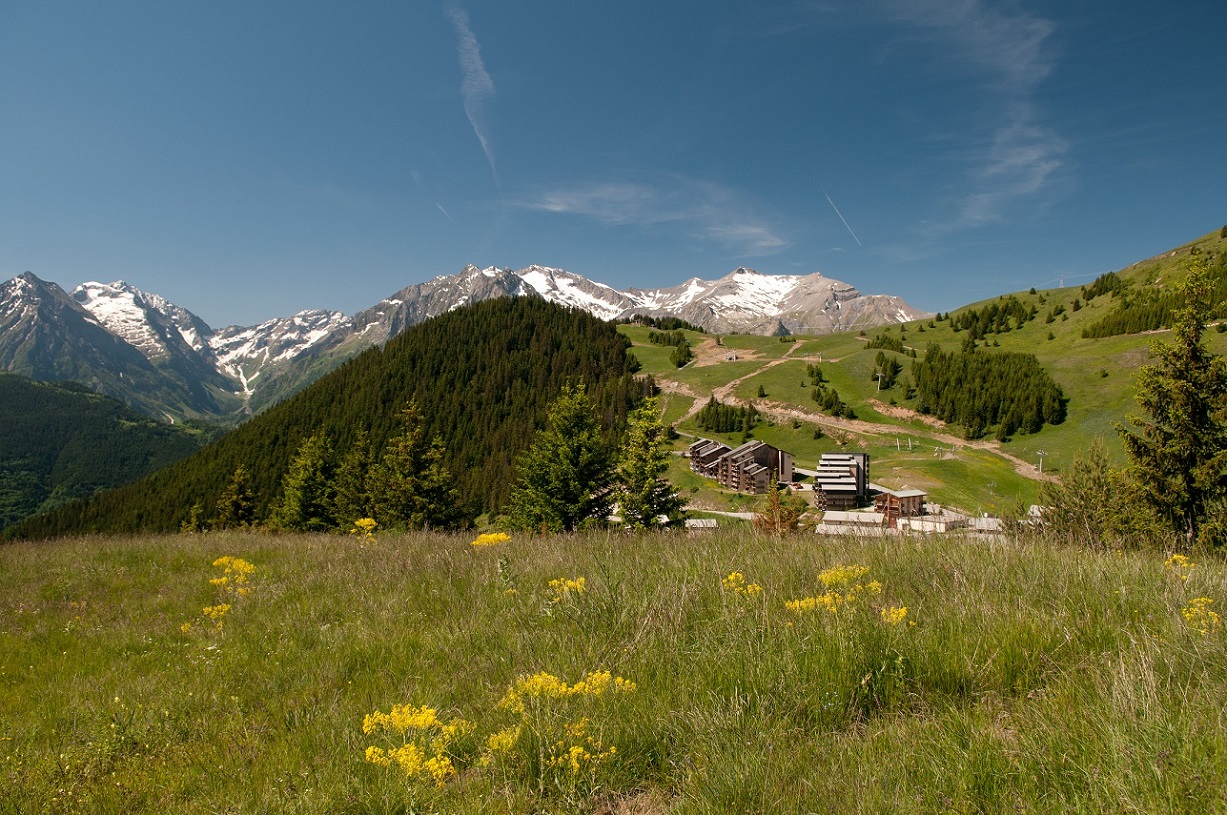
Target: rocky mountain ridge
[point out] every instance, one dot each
(166, 361)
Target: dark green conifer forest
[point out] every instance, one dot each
(983, 389)
(482, 378)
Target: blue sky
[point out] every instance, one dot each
(248, 160)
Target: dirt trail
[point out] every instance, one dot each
(724, 393)
(780, 410)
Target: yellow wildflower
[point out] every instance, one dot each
(624, 685)
(503, 740)
(832, 601)
(440, 768)
(364, 527)
(215, 612)
(401, 719)
(894, 615)
(490, 539)
(377, 755)
(1180, 566)
(547, 686)
(236, 572)
(842, 575)
(736, 583)
(564, 587)
(1200, 617)
(409, 757)
(458, 728)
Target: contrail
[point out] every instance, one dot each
(841, 217)
(477, 85)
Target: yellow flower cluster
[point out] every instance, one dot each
(500, 743)
(216, 612)
(1180, 566)
(428, 749)
(831, 601)
(490, 539)
(547, 686)
(236, 573)
(736, 584)
(563, 587)
(578, 751)
(364, 528)
(842, 575)
(426, 740)
(401, 719)
(413, 762)
(843, 588)
(1200, 617)
(894, 615)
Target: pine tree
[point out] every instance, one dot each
(307, 491)
(1179, 455)
(564, 477)
(236, 508)
(643, 495)
(353, 482)
(411, 486)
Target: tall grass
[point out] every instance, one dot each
(1024, 676)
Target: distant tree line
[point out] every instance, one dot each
(675, 338)
(886, 370)
(888, 341)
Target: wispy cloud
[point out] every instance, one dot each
(700, 209)
(1018, 156)
(477, 86)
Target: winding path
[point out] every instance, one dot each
(780, 410)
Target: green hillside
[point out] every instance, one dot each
(483, 376)
(61, 442)
(908, 449)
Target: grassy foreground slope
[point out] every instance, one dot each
(1021, 677)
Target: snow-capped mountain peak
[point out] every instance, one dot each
(118, 327)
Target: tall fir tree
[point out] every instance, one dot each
(644, 497)
(353, 482)
(236, 508)
(306, 503)
(411, 487)
(1179, 454)
(564, 476)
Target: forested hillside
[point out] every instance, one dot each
(60, 442)
(1145, 301)
(482, 377)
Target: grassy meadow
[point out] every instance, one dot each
(608, 673)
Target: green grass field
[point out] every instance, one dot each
(964, 676)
